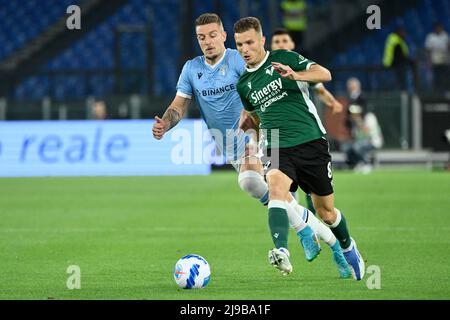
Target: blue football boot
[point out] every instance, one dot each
(355, 261)
(309, 242)
(340, 261)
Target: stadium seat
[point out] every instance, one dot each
(96, 50)
(370, 51)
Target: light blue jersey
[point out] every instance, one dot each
(214, 88)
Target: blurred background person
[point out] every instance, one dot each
(438, 45)
(366, 136)
(355, 95)
(99, 110)
(295, 20)
(397, 57)
(365, 131)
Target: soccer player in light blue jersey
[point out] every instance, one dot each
(212, 79)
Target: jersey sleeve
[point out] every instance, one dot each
(184, 87)
(296, 61)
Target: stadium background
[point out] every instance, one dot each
(128, 55)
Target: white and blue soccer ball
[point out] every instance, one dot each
(192, 271)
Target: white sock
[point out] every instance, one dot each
(338, 218)
(253, 184)
(295, 219)
(319, 227)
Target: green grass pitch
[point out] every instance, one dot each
(126, 233)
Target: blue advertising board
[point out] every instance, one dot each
(103, 148)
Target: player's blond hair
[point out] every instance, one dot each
(208, 18)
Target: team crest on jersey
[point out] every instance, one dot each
(222, 70)
(269, 70)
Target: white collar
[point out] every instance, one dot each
(217, 63)
(260, 64)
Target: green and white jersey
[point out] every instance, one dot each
(281, 103)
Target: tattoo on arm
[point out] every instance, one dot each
(172, 116)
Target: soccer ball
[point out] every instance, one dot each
(192, 271)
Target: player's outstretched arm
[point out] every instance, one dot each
(171, 117)
(316, 73)
(330, 101)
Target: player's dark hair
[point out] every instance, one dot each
(208, 18)
(246, 24)
(280, 32)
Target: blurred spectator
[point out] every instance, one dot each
(396, 56)
(99, 111)
(122, 112)
(295, 20)
(355, 96)
(438, 45)
(364, 130)
(366, 137)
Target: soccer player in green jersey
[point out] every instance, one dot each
(275, 89)
(212, 79)
(282, 40)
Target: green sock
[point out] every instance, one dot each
(279, 226)
(341, 231)
(310, 204)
